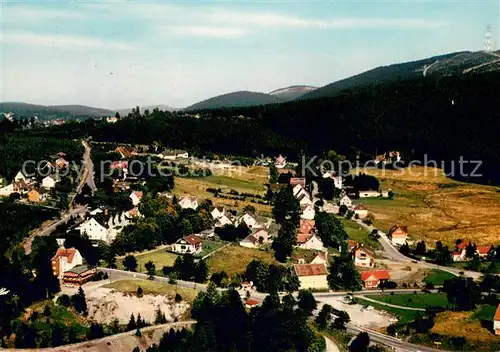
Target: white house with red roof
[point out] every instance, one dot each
(64, 260)
(398, 235)
(298, 181)
(363, 257)
(136, 197)
(311, 276)
(496, 321)
(310, 241)
(188, 244)
(483, 251)
(372, 279)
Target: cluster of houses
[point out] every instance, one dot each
(459, 254)
(33, 190)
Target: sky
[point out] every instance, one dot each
(119, 54)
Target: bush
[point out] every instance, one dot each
(64, 300)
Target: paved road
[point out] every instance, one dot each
(48, 229)
(88, 173)
(391, 305)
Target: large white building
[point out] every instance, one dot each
(64, 260)
(311, 276)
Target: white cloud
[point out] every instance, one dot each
(206, 31)
(60, 41)
(19, 13)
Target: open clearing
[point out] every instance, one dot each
(464, 324)
(160, 258)
(414, 300)
(359, 234)
(152, 287)
(234, 259)
(438, 277)
(436, 208)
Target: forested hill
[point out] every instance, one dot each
(53, 111)
(444, 118)
(236, 99)
(458, 63)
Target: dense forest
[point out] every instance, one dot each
(442, 118)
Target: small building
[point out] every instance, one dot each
(188, 202)
(49, 182)
(320, 258)
(310, 241)
(37, 195)
(20, 176)
(64, 260)
(306, 226)
(250, 220)
(252, 303)
(299, 191)
(363, 257)
(496, 321)
(280, 162)
(136, 197)
(345, 200)
(298, 181)
(218, 211)
(308, 211)
(78, 275)
(398, 235)
(257, 238)
(483, 251)
(371, 279)
(93, 229)
(224, 220)
(188, 244)
(360, 211)
(369, 194)
(311, 276)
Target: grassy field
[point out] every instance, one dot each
(414, 300)
(438, 277)
(464, 324)
(159, 257)
(152, 287)
(209, 247)
(60, 315)
(230, 182)
(485, 313)
(234, 259)
(359, 234)
(435, 207)
(405, 316)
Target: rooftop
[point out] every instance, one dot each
(310, 269)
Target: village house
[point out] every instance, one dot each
(496, 321)
(351, 244)
(20, 187)
(311, 276)
(320, 258)
(257, 238)
(61, 163)
(483, 251)
(299, 190)
(78, 275)
(224, 220)
(331, 208)
(7, 190)
(371, 279)
(459, 255)
(308, 212)
(37, 195)
(363, 257)
(298, 181)
(304, 199)
(136, 197)
(188, 244)
(188, 202)
(360, 211)
(250, 220)
(20, 176)
(398, 235)
(50, 181)
(64, 260)
(280, 162)
(310, 241)
(94, 230)
(369, 194)
(133, 213)
(252, 303)
(218, 212)
(345, 200)
(306, 226)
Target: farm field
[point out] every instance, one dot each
(437, 277)
(414, 300)
(436, 208)
(152, 287)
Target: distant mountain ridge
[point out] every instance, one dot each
(292, 92)
(236, 99)
(53, 111)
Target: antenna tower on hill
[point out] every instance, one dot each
(487, 40)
